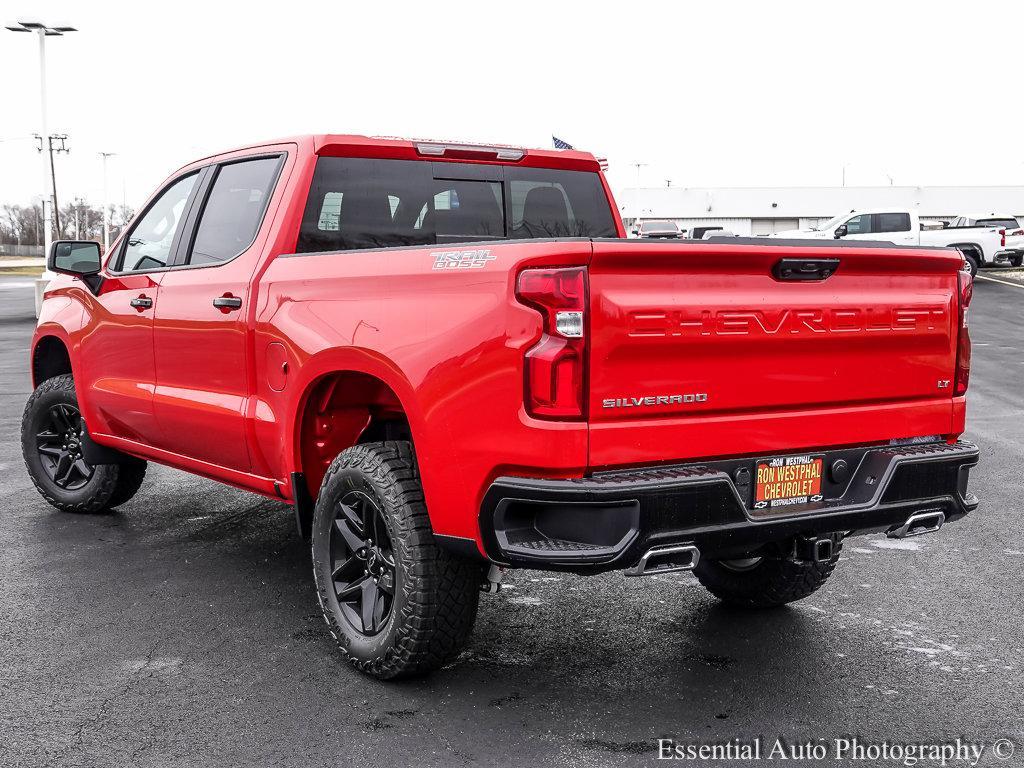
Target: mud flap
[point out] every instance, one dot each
(96, 454)
(303, 504)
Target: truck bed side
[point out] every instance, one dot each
(449, 343)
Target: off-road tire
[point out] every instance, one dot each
(771, 582)
(435, 595)
(109, 485)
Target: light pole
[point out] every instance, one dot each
(638, 166)
(106, 203)
(42, 32)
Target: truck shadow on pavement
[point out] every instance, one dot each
(217, 581)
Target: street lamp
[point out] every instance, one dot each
(106, 203)
(43, 31)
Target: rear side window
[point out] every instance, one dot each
(357, 203)
(892, 222)
(234, 210)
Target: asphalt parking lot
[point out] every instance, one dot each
(183, 629)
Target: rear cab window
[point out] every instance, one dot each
(359, 203)
(999, 222)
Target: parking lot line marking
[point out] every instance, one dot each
(997, 280)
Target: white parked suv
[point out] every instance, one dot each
(982, 244)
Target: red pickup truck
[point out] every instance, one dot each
(450, 361)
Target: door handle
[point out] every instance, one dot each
(804, 269)
(227, 303)
(141, 302)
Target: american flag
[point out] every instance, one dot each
(559, 144)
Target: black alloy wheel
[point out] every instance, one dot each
(53, 435)
(363, 563)
(396, 603)
(59, 444)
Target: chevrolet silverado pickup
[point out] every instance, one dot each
(983, 242)
(450, 361)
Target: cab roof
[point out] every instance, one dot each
(387, 147)
(349, 145)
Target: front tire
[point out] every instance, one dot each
(396, 604)
(51, 444)
(764, 582)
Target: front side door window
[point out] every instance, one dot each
(149, 244)
(859, 225)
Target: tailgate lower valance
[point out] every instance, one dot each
(608, 520)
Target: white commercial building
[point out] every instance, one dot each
(764, 210)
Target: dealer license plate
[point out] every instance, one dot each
(787, 481)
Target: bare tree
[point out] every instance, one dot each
(23, 224)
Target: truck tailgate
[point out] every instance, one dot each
(697, 350)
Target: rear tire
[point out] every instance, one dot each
(51, 444)
(395, 602)
(972, 263)
(763, 582)
(1018, 260)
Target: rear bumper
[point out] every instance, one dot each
(609, 520)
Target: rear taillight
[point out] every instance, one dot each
(1002, 237)
(963, 340)
(556, 364)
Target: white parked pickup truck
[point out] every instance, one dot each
(1009, 227)
(982, 243)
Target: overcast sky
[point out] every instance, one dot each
(705, 93)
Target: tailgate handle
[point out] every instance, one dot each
(805, 269)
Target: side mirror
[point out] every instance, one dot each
(841, 231)
(80, 258)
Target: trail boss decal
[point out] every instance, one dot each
(639, 402)
(461, 259)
